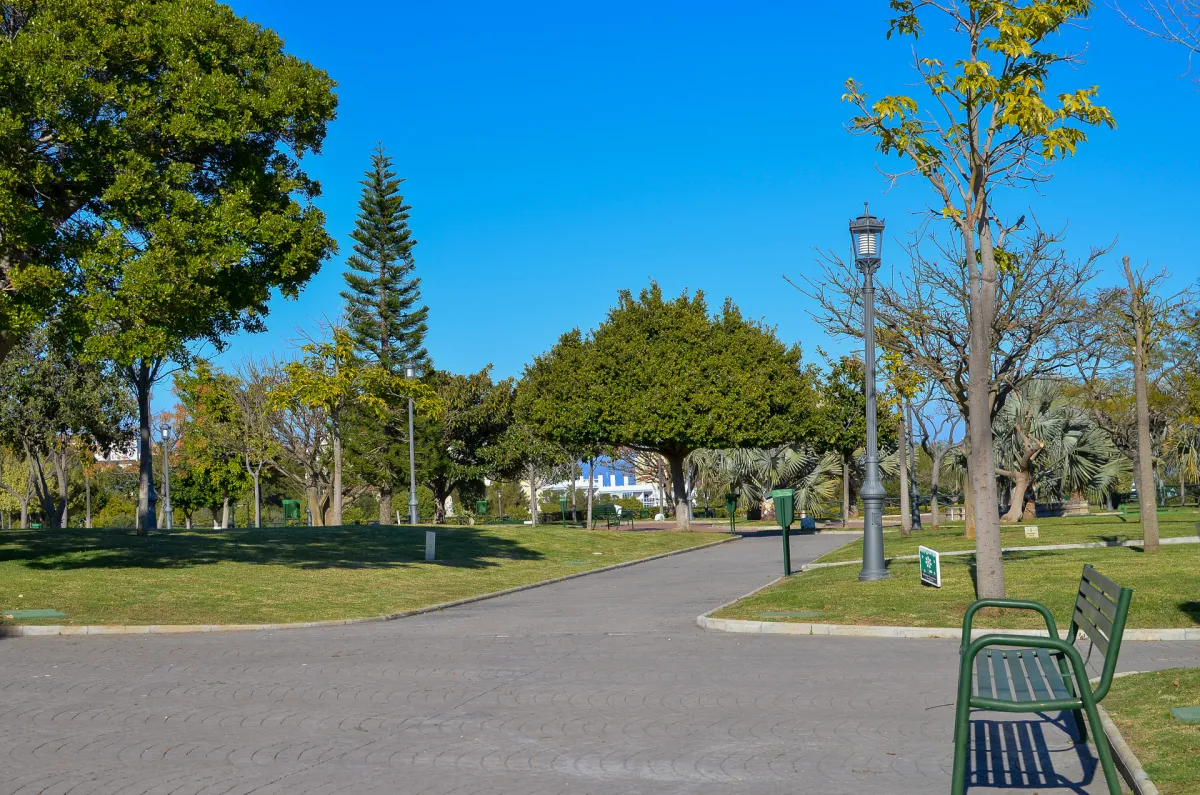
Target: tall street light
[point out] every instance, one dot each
(410, 372)
(914, 494)
(866, 234)
(168, 514)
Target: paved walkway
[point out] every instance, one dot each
(600, 685)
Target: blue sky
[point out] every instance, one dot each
(557, 152)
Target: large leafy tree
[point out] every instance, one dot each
(150, 164)
(989, 126)
(385, 319)
(666, 376)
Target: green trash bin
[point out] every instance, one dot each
(481, 507)
(784, 500)
(731, 501)
(562, 506)
(291, 511)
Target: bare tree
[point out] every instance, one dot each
(937, 440)
(1176, 21)
(253, 423)
(1044, 315)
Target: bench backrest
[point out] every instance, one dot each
(1100, 611)
(604, 509)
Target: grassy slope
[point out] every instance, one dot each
(1168, 749)
(1075, 530)
(295, 574)
(1166, 590)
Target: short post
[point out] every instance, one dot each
(430, 545)
(562, 506)
(784, 500)
(731, 501)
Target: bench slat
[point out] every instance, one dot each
(1097, 597)
(1037, 679)
(1103, 583)
(1053, 678)
(1101, 621)
(1000, 675)
(1098, 638)
(983, 676)
(1020, 689)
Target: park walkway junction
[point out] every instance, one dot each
(602, 684)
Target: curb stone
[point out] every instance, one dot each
(1127, 762)
(30, 630)
(874, 631)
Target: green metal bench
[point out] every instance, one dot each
(608, 512)
(1017, 673)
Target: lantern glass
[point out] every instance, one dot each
(866, 236)
(410, 370)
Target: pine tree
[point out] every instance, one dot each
(386, 318)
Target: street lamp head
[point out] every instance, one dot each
(166, 430)
(866, 237)
(410, 369)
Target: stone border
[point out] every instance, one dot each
(32, 630)
(1127, 762)
(876, 631)
(1052, 547)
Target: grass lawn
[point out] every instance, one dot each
(1168, 749)
(291, 574)
(1073, 530)
(1166, 590)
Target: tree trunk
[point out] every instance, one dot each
(142, 375)
(1182, 489)
(906, 526)
(385, 505)
(87, 499)
(335, 513)
(968, 505)
(25, 511)
(988, 554)
(591, 489)
(1144, 463)
(1016, 502)
(225, 513)
(440, 494)
(533, 502)
(257, 475)
(935, 471)
(313, 497)
(845, 489)
(679, 487)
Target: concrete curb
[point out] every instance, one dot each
(1127, 763)
(28, 630)
(874, 631)
(1043, 547)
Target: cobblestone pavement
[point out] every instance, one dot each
(599, 685)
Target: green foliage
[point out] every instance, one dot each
(118, 511)
(385, 321)
(208, 451)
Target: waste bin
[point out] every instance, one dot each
(291, 511)
(784, 500)
(562, 505)
(731, 501)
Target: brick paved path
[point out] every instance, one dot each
(600, 685)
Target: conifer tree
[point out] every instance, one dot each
(386, 318)
(386, 321)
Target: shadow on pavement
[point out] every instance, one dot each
(1015, 755)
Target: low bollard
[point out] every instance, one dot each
(430, 545)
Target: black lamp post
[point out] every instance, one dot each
(410, 372)
(866, 235)
(168, 514)
(914, 494)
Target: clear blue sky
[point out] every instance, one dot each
(557, 152)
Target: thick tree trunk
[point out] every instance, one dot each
(335, 513)
(683, 516)
(905, 508)
(533, 490)
(25, 513)
(143, 378)
(1016, 502)
(440, 494)
(385, 505)
(968, 506)
(313, 497)
(591, 489)
(1147, 496)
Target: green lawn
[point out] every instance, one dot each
(1166, 590)
(1074, 530)
(1168, 749)
(293, 574)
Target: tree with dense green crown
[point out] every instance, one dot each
(665, 376)
(383, 310)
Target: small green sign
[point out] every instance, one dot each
(931, 567)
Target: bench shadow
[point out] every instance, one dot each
(1015, 754)
(347, 547)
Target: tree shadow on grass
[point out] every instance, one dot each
(350, 547)
(1191, 610)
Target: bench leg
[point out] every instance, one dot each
(962, 729)
(1102, 749)
(1080, 725)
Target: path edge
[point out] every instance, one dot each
(33, 630)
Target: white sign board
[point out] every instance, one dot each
(430, 545)
(931, 567)
(1031, 531)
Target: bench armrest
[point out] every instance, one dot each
(1016, 604)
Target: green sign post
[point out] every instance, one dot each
(731, 501)
(931, 567)
(784, 501)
